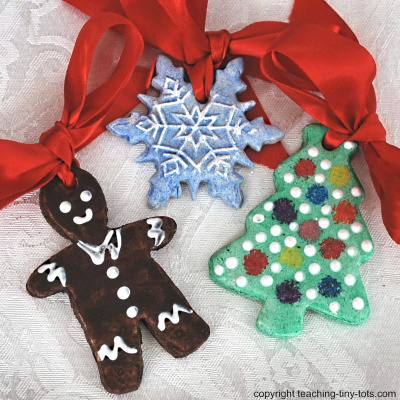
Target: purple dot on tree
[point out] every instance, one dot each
(284, 211)
(288, 292)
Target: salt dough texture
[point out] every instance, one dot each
(37, 39)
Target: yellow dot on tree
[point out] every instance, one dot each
(291, 257)
(339, 175)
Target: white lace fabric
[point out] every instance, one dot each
(44, 354)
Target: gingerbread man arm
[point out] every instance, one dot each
(50, 278)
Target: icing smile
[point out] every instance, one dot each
(86, 218)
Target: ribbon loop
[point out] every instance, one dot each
(219, 45)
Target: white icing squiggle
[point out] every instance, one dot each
(155, 232)
(82, 220)
(97, 253)
(55, 272)
(119, 343)
(174, 317)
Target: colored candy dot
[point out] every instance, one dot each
(313, 152)
(317, 194)
(356, 227)
(348, 145)
(309, 230)
(337, 194)
(65, 207)
(231, 262)
(319, 178)
(291, 257)
(331, 248)
(123, 292)
(366, 245)
(112, 272)
(247, 245)
(339, 175)
(325, 164)
(266, 280)
(241, 281)
(326, 209)
(314, 269)
(288, 292)
(255, 262)
(350, 280)
(258, 218)
(288, 177)
(219, 269)
(304, 208)
(299, 276)
(352, 251)
(295, 192)
(329, 287)
(268, 206)
(334, 307)
(336, 266)
(290, 241)
(132, 312)
(358, 303)
(343, 234)
(276, 267)
(310, 250)
(324, 223)
(284, 211)
(356, 191)
(275, 230)
(305, 168)
(261, 237)
(311, 294)
(275, 247)
(345, 213)
(293, 226)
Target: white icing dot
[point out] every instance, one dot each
(275, 247)
(323, 223)
(276, 267)
(313, 152)
(334, 307)
(65, 207)
(336, 266)
(343, 234)
(366, 245)
(358, 303)
(350, 280)
(293, 226)
(356, 227)
(288, 177)
(326, 164)
(314, 269)
(261, 237)
(266, 280)
(258, 218)
(326, 209)
(290, 241)
(337, 194)
(310, 250)
(219, 269)
(299, 276)
(304, 208)
(231, 262)
(275, 230)
(268, 206)
(112, 272)
(356, 191)
(311, 294)
(86, 196)
(319, 178)
(352, 251)
(132, 311)
(247, 245)
(241, 281)
(348, 145)
(295, 192)
(123, 292)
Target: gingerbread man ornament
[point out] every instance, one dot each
(113, 283)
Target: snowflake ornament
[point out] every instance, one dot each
(192, 142)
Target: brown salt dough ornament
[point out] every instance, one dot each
(113, 283)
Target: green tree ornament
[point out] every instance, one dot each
(303, 246)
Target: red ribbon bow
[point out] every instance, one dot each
(315, 52)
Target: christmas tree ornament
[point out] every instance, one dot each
(113, 283)
(303, 246)
(193, 142)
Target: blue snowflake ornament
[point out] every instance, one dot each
(192, 142)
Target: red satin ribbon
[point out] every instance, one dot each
(26, 167)
(315, 52)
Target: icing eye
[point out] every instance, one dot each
(86, 195)
(65, 207)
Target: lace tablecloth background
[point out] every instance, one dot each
(44, 354)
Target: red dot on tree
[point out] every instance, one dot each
(345, 212)
(305, 168)
(332, 248)
(255, 262)
(310, 230)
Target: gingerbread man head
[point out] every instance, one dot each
(78, 213)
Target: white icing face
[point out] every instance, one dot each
(65, 207)
(86, 218)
